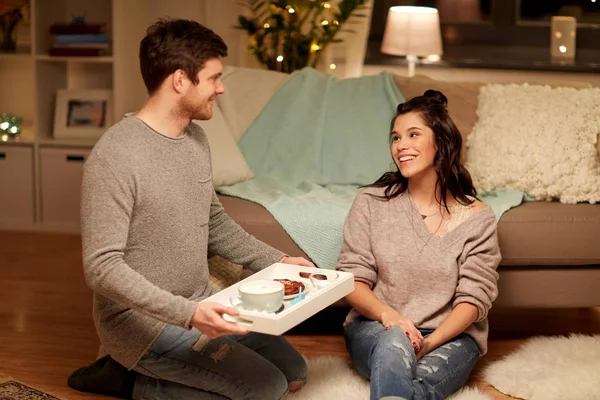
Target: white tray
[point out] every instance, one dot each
(338, 285)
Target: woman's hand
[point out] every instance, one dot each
(391, 318)
(425, 349)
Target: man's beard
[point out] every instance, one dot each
(196, 110)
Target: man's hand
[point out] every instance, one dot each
(208, 319)
(297, 261)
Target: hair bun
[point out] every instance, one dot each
(436, 96)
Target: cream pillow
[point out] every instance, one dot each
(537, 139)
(228, 163)
(247, 91)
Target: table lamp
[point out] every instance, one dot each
(412, 32)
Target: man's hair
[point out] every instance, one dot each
(170, 45)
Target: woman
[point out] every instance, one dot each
(424, 253)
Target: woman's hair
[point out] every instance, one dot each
(451, 174)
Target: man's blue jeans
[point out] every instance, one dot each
(252, 366)
(389, 361)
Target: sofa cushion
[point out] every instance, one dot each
(247, 91)
(228, 163)
(537, 139)
(550, 233)
(534, 233)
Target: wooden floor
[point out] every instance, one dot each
(46, 328)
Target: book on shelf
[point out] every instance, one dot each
(79, 38)
(81, 46)
(78, 52)
(77, 29)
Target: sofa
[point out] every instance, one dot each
(550, 250)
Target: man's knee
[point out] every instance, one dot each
(275, 388)
(297, 370)
(287, 359)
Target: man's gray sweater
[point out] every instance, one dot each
(149, 214)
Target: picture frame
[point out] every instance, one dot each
(82, 114)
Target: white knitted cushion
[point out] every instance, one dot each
(537, 139)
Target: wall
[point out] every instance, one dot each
(489, 75)
(134, 16)
(221, 16)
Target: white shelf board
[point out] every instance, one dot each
(100, 59)
(52, 142)
(15, 56)
(21, 53)
(25, 138)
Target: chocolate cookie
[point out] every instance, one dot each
(291, 287)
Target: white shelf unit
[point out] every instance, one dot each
(40, 175)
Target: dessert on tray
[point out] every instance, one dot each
(291, 287)
(305, 294)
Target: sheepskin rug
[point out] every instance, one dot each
(550, 368)
(538, 140)
(331, 378)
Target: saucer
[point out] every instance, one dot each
(238, 304)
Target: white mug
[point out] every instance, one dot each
(260, 295)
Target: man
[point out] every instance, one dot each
(149, 217)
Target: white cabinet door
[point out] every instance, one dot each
(16, 187)
(61, 171)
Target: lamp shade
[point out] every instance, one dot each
(412, 31)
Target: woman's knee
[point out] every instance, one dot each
(447, 368)
(395, 341)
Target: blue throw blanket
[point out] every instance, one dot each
(313, 144)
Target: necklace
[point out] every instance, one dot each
(423, 216)
(413, 207)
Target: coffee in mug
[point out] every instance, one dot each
(260, 295)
